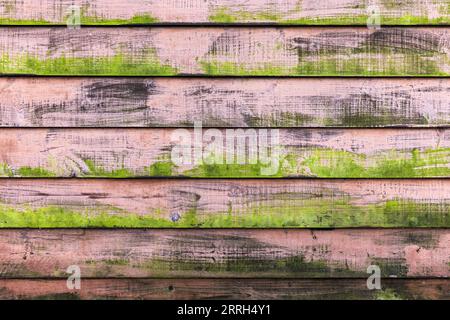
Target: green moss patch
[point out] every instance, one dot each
(101, 21)
(368, 62)
(230, 171)
(119, 64)
(59, 217)
(216, 68)
(228, 16)
(85, 20)
(34, 172)
(97, 171)
(387, 294)
(4, 21)
(161, 169)
(283, 266)
(329, 163)
(287, 211)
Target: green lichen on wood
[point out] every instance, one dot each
(217, 68)
(387, 294)
(103, 21)
(281, 211)
(382, 62)
(281, 119)
(98, 171)
(230, 171)
(369, 118)
(5, 170)
(119, 64)
(325, 212)
(226, 15)
(6, 21)
(25, 172)
(60, 217)
(362, 20)
(367, 64)
(282, 266)
(34, 172)
(85, 20)
(364, 63)
(321, 163)
(330, 163)
(163, 168)
(116, 262)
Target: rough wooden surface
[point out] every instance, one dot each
(327, 153)
(226, 51)
(160, 102)
(224, 289)
(272, 203)
(130, 132)
(224, 253)
(308, 12)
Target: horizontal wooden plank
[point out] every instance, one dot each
(179, 102)
(224, 289)
(238, 153)
(238, 51)
(225, 253)
(305, 12)
(69, 203)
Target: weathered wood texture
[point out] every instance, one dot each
(225, 253)
(269, 203)
(160, 102)
(327, 153)
(226, 51)
(134, 260)
(224, 289)
(307, 12)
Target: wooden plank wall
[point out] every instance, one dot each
(359, 114)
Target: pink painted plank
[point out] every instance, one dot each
(226, 203)
(239, 51)
(235, 289)
(337, 153)
(178, 102)
(114, 12)
(225, 253)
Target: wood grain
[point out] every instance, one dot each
(225, 253)
(224, 289)
(179, 102)
(308, 12)
(238, 51)
(50, 203)
(327, 153)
